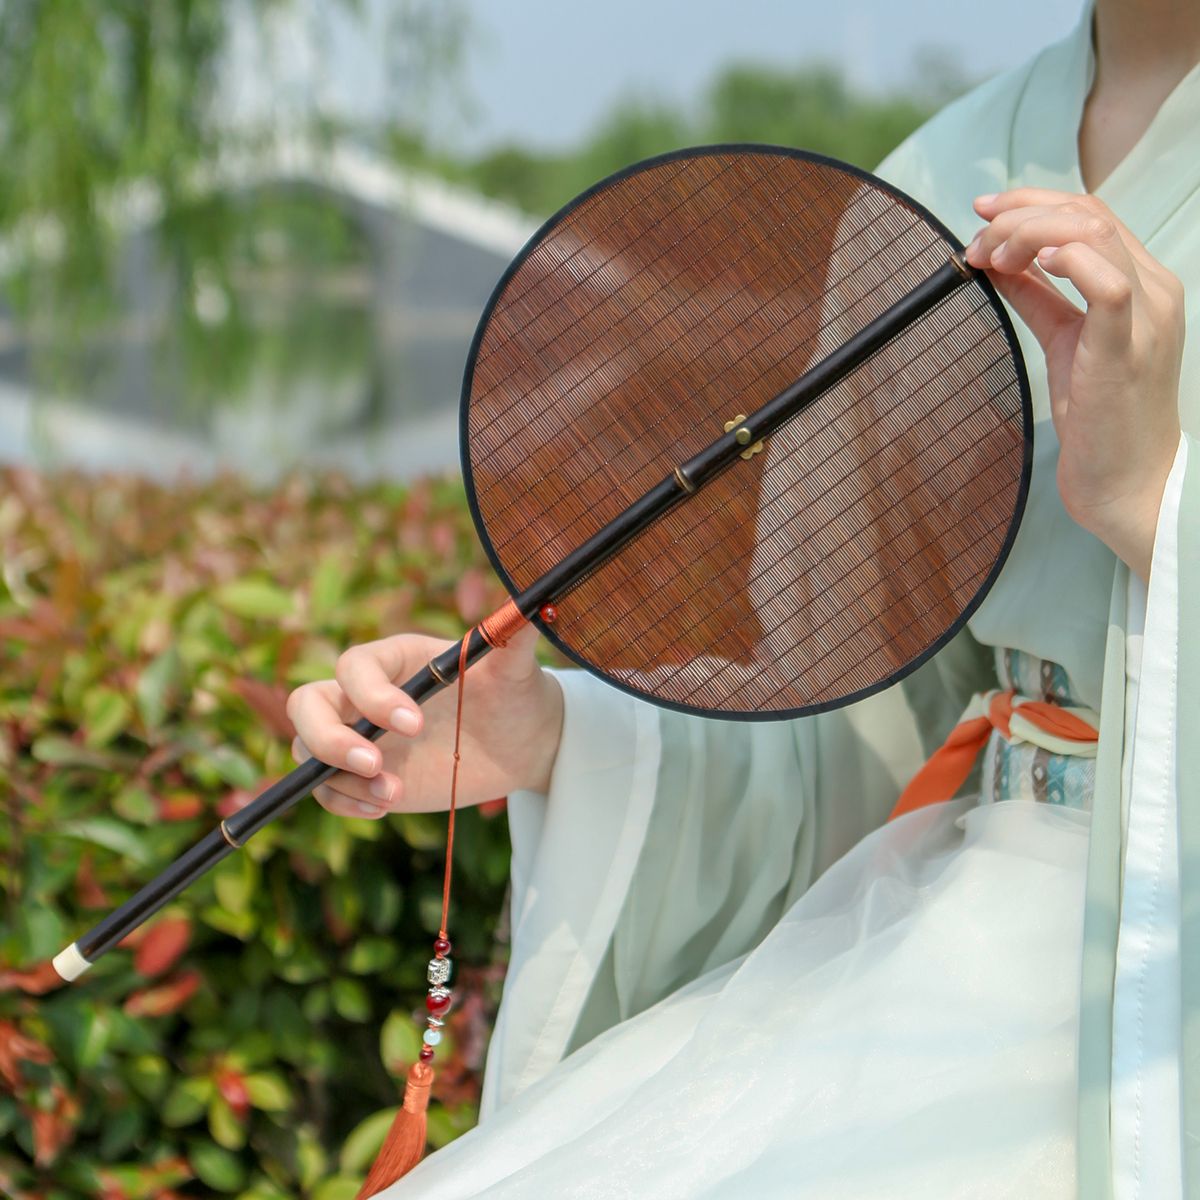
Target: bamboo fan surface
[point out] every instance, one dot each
(674, 298)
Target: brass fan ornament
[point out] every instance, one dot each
(744, 436)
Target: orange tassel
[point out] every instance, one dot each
(405, 1142)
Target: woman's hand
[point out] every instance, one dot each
(1113, 370)
(512, 721)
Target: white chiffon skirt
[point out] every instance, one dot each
(906, 1031)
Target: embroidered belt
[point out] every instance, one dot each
(1053, 727)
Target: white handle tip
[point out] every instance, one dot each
(70, 964)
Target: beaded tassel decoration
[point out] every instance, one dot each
(405, 1142)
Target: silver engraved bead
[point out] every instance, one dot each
(439, 993)
(439, 970)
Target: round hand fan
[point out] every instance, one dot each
(657, 311)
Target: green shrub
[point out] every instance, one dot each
(248, 1039)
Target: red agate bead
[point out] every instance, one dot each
(548, 613)
(438, 1003)
(441, 947)
(426, 1054)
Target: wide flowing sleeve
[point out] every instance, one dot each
(670, 844)
(1188, 780)
(1158, 916)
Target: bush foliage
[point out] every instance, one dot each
(251, 1040)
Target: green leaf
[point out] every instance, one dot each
(399, 1041)
(224, 1126)
(365, 1139)
(42, 932)
(282, 1016)
(303, 965)
(217, 1167)
(311, 1160)
(268, 1091)
(316, 1003)
(255, 599)
(350, 1000)
(154, 686)
(236, 880)
(62, 752)
(335, 841)
(150, 1074)
(89, 1037)
(186, 1101)
(105, 714)
(121, 1130)
(262, 1190)
(423, 831)
(339, 1187)
(370, 955)
(107, 832)
(240, 925)
(444, 1124)
(136, 805)
(327, 592)
(234, 767)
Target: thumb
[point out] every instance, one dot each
(515, 660)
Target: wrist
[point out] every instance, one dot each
(549, 708)
(1128, 525)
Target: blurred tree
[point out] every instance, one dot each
(812, 107)
(112, 114)
(815, 109)
(93, 96)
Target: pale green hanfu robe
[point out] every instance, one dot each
(671, 845)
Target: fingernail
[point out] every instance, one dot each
(404, 720)
(972, 247)
(986, 199)
(380, 788)
(361, 761)
(999, 251)
(369, 810)
(1046, 254)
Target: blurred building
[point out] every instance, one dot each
(331, 331)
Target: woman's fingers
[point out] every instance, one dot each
(1014, 239)
(1038, 303)
(319, 712)
(362, 797)
(344, 805)
(1109, 291)
(351, 795)
(993, 207)
(367, 673)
